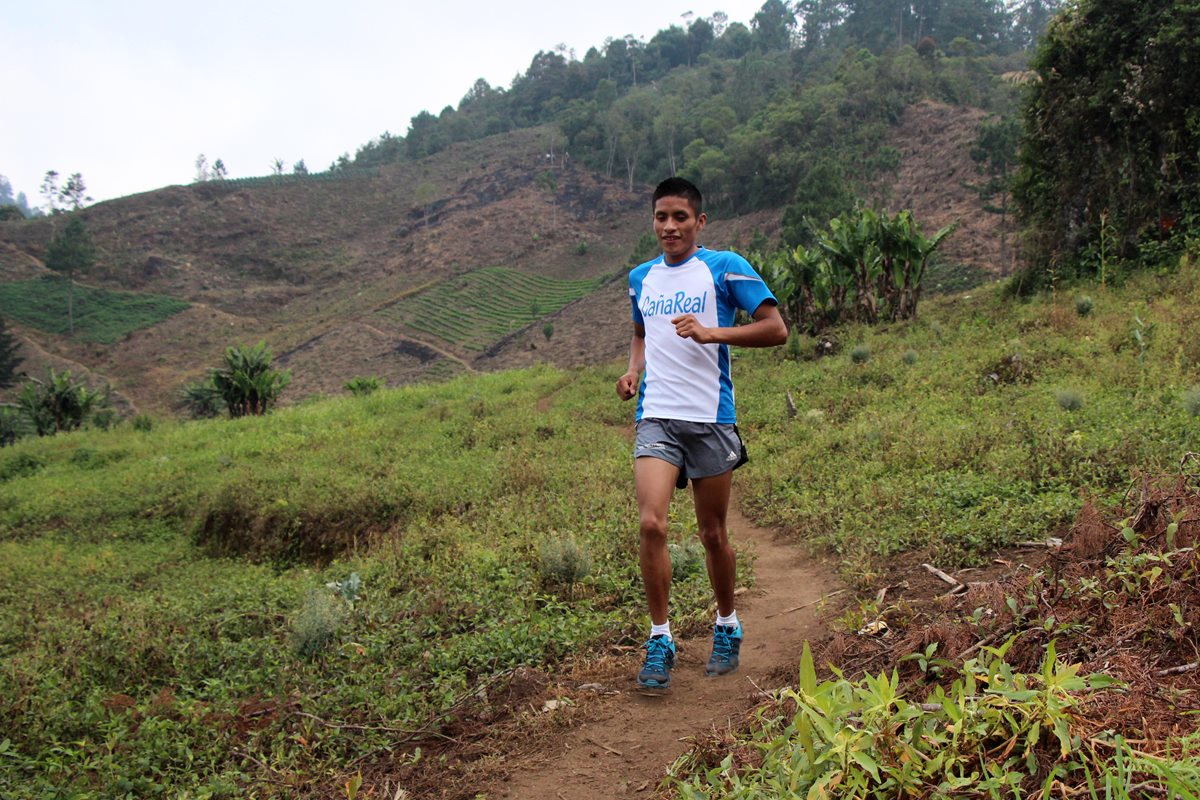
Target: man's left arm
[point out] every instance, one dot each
(767, 330)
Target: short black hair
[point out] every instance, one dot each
(678, 187)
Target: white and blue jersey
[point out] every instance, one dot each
(685, 380)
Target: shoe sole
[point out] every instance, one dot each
(653, 691)
(708, 674)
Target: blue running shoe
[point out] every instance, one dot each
(727, 643)
(660, 657)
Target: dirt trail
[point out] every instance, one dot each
(626, 749)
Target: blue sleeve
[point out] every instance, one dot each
(635, 289)
(745, 285)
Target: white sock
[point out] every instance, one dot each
(663, 630)
(730, 621)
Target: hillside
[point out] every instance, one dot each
(189, 588)
(328, 269)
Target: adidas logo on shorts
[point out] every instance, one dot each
(732, 456)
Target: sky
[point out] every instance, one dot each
(129, 92)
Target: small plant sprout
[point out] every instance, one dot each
(1068, 399)
(348, 589)
(860, 354)
(1084, 305)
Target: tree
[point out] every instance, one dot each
(277, 166)
(1110, 159)
(9, 358)
(995, 154)
(772, 26)
(246, 381)
(74, 192)
(219, 173)
(49, 190)
(299, 168)
(71, 252)
(201, 168)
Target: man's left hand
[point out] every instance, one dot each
(688, 327)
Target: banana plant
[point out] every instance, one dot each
(246, 381)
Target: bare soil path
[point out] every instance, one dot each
(626, 747)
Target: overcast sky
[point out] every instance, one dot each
(129, 92)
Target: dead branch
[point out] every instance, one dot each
(937, 573)
(1180, 670)
(821, 599)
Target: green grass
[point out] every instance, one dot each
(477, 309)
(165, 581)
(101, 315)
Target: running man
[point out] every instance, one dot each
(684, 304)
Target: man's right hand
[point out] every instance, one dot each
(627, 385)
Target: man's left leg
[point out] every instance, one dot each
(711, 498)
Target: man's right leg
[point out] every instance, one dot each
(655, 482)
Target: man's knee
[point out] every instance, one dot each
(653, 529)
(714, 538)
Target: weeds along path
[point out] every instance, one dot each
(626, 747)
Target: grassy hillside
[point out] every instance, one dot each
(173, 627)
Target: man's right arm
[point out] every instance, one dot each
(627, 384)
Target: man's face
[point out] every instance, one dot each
(676, 226)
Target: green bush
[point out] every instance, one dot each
(60, 404)
(910, 357)
(246, 382)
(143, 423)
(363, 386)
(1083, 305)
(861, 354)
(563, 562)
(687, 559)
(1191, 401)
(317, 623)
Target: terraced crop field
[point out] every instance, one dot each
(103, 316)
(476, 309)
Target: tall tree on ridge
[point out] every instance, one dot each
(71, 252)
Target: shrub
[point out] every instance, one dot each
(563, 562)
(143, 423)
(910, 357)
(12, 425)
(59, 403)
(1191, 401)
(201, 400)
(548, 330)
(363, 386)
(1083, 305)
(860, 354)
(316, 624)
(246, 381)
(687, 559)
(19, 466)
(581, 249)
(1068, 399)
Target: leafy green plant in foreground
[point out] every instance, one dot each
(989, 734)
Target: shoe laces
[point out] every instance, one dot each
(722, 643)
(657, 650)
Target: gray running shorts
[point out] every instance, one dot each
(699, 449)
